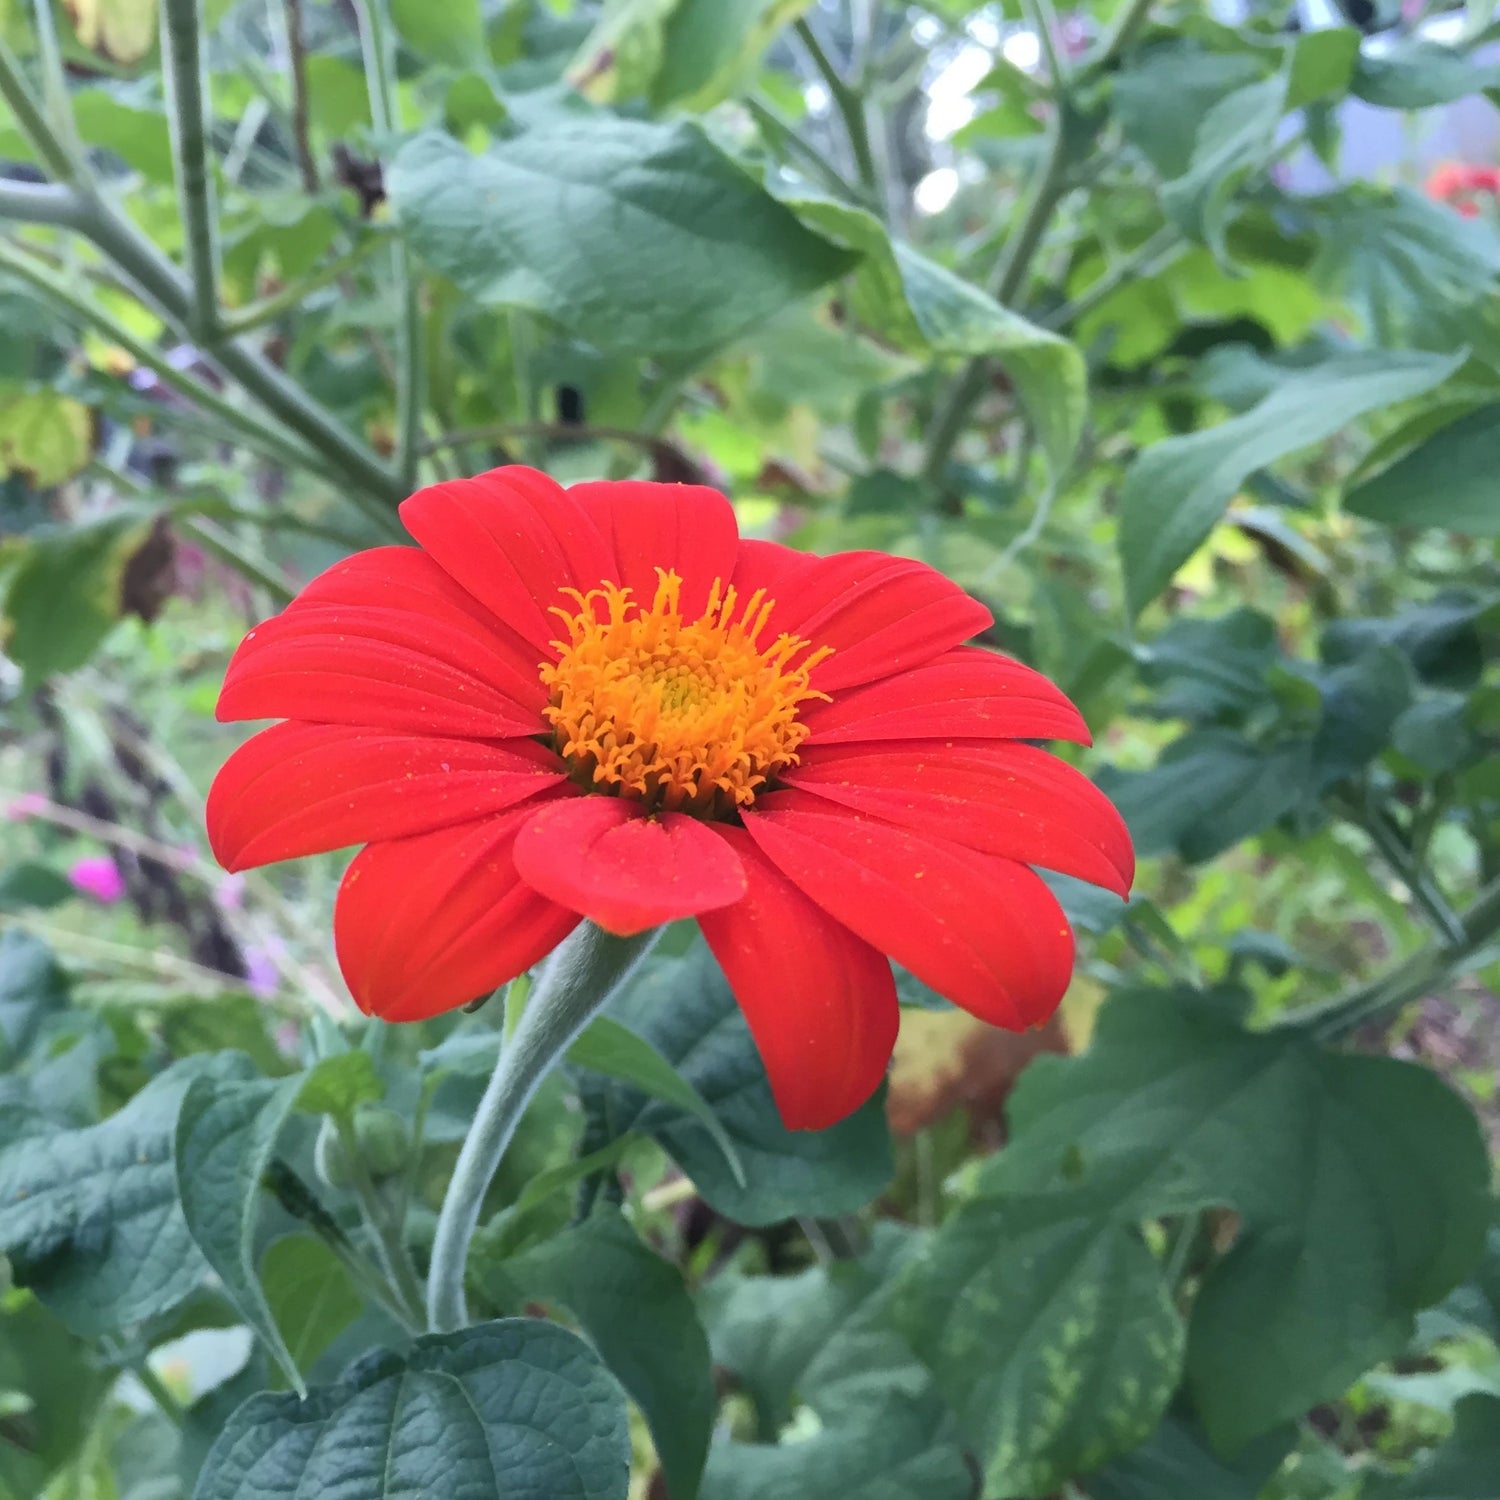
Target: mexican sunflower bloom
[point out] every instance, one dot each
(601, 702)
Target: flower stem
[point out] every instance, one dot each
(849, 106)
(569, 992)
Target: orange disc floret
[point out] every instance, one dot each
(690, 716)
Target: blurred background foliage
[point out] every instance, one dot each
(1170, 331)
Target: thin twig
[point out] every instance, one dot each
(296, 48)
(849, 106)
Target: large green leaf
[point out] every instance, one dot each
(1362, 1184)
(925, 308)
(1051, 1332)
(90, 1218)
(1175, 1463)
(226, 1134)
(500, 1410)
(824, 1338)
(685, 1009)
(1177, 491)
(665, 246)
(1448, 480)
(635, 1308)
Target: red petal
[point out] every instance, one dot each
(820, 1002)
(385, 639)
(514, 539)
(1004, 799)
(969, 693)
(985, 932)
(770, 566)
(297, 789)
(602, 857)
(685, 527)
(426, 924)
(880, 614)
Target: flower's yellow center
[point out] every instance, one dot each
(689, 716)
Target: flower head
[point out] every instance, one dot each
(600, 702)
(1457, 183)
(97, 875)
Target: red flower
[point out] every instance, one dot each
(1457, 183)
(600, 702)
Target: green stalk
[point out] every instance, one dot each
(850, 108)
(187, 116)
(32, 120)
(952, 414)
(570, 991)
(230, 550)
(54, 78)
(1419, 974)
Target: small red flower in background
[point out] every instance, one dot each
(1457, 183)
(600, 702)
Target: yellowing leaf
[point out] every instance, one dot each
(122, 30)
(46, 436)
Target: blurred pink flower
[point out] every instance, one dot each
(97, 875)
(230, 893)
(27, 805)
(262, 977)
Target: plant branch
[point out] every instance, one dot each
(1417, 975)
(296, 50)
(385, 1227)
(230, 551)
(1382, 831)
(32, 120)
(1147, 259)
(54, 78)
(784, 134)
(256, 434)
(569, 992)
(39, 203)
(1047, 189)
(1129, 19)
(187, 114)
(849, 106)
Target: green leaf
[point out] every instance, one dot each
(45, 435)
(1051, 1332)
(1463, 1468)
(1322, 66)
(612, 1049)
(924, 308)
(32, 987)
(226, 1134)
(1209, 790)
(449, 31)
(66, 595)
(667, 245)
(824, 1338)
(1447, 480)
(635, 1308)
(1162, 99)
(621, 57)
(32, 885)
(1235, 138)
(493, 1412)
(338, 1085)
(139, 137)
(1177, 491)
(712, 48)
(90, 1218)
(1361, 1183)
(310, 1295)
(685, 1009)
(1175, 1463)
(1418, 74)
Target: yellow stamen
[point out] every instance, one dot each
(687, 716)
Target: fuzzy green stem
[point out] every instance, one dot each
(850, 108)
(384, 1224)
(953, 410)
(1121, 34)
(1417, 975)
(231, 551)
(32, 119)
(187, 115)
(570, 990)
